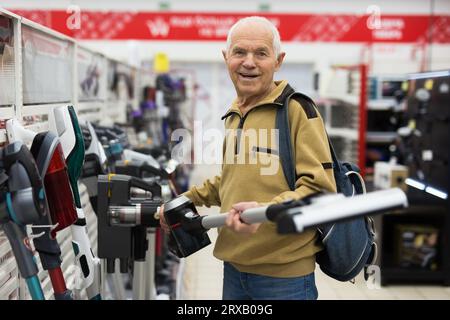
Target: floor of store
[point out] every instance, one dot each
(203, 273)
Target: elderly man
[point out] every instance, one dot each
(258, 262)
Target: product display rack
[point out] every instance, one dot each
(415, 241)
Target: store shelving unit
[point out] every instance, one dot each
(416, 244)
(41, 69)
(361, 114)
(343, 108)
(383, 116)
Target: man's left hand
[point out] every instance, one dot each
(234, 217)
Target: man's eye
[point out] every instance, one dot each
(239, 53)
(262, 53)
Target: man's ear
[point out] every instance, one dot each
(224, 54)
(280, 60)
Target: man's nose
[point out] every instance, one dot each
(249, 61)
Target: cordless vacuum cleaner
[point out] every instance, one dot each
(56, 180)
(142, 215)
(49, 158)
(123, 160)
(114, 140)
(188, 229)
(118, 147)
(141, 169)
(50, 161)
(154, 256)
(22, 202)
(95, 161)
(118, 211)
(64, 122)
(163, 168)
(112, 144)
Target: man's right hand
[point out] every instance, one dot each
(234, 221)
(162, 221)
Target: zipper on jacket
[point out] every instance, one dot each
(242, 120)
(238, 135)
(240, 128)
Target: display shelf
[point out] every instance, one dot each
(381, 137)
(345, 98)
(342, 132)
(381, 104)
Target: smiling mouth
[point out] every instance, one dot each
(248, 76)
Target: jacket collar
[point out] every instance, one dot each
(276, 98)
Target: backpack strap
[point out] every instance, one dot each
(285, 145)
(334, 158)
(356, 179)
(286, 152)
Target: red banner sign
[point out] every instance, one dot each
(173, 26)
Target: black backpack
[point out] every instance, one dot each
(349, 246)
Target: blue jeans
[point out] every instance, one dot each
(247, 286)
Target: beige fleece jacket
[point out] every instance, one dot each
(251, 171)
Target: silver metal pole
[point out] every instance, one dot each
(119, 290)
(103, 278)
(254, 215)
(324, 209)
(138, 280)
(150, 290)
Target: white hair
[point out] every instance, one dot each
(276, 41)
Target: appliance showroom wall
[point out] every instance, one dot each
(383, 33)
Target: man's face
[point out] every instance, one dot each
(251, 60)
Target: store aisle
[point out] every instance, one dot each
(203, 273)
(207, 284)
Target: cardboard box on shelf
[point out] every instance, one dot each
(387, 175)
